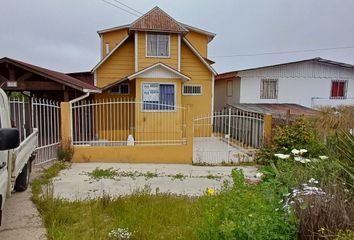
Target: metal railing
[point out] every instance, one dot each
(122, 122)
(42, 114)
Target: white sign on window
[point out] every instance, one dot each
(11, 84)
(151, 92)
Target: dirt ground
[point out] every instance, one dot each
(21, 219)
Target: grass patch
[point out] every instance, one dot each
(178, 176)
(99, 173)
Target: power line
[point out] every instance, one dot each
(125, 5)
(120, 8)
(282, 52)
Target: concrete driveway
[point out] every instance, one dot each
(75, 183)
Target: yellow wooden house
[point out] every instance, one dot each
(152, 73)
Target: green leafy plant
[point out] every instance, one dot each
(65, 151)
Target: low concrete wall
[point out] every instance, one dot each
(135, 154)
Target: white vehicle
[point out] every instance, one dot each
(15, 157)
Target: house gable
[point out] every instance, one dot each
(159, 70)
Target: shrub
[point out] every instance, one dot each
(298, 134)
(246, 212)
(65, 151)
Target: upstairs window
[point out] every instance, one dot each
(269, 88)
(122, 88)
(157, 45)
(338, 89)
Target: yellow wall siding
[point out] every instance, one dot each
(200, 74)
(144, 61)
(120, 64)
(199, 41)
(113, 38)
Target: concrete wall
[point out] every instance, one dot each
(299, 83)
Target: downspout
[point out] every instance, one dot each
(70, 110)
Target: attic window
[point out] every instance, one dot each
(157, 45)
(122, 88)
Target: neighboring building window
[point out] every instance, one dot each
(269, 89)
(122, 88)
(338, 89)
(158, 45)
(107, 48)
(229, 90)
(192, 89)
(159, 97)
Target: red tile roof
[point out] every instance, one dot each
(157, 20)
(226, 75)
(53, 75)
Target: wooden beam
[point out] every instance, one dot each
(12, 74)
(3, 79)
(25, 77)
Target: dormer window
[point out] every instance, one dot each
(157, 44)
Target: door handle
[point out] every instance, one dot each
(2, 165)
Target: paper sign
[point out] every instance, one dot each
(151, 92)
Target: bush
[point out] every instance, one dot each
(65, 151)
(296, 135)
(246, 212)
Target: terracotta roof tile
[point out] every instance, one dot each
(157, 20)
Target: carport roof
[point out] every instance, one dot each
(53, 75)
(276, 109)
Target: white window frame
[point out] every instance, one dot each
(192, 85)
(344, 90)
(146, 45)
(262, 96)
(108, 48)
(120, 91)
(156, 110)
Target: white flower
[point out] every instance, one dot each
(307, 160)
(259, 175)
(282, 156)
(303, 151)
(298, 159)
(323, 157)
(312, 180)
(302, 160)
(295, 151)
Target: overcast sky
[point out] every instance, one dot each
(61, 34)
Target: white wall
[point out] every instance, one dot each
(299, 83)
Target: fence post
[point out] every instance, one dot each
(65, 120)
(189, 130)
(267, 128)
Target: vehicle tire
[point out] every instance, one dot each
(22, 180)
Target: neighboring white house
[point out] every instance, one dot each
(311, 83)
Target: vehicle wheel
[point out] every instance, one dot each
(22, 180)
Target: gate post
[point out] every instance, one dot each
(267, 129)
(189, 130)
(65, 120)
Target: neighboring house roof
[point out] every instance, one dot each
(201, 58)
(53, 75)
(318, 60)
(157, 20)
(276, 109)
(109, 54)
